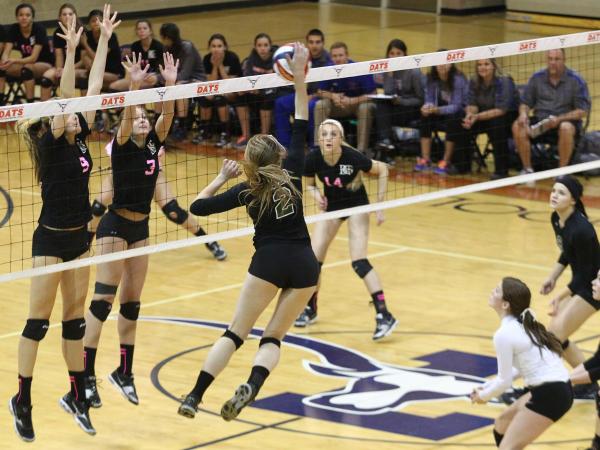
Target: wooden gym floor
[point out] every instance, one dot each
(438, 262)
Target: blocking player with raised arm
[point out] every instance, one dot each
(340, 168)
(62, 164)
(135, 166)
(272, 195)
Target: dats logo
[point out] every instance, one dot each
(209, 88)
(528, 46)
(115, 100)
(13, 112)
(378, 66)
(456, 56)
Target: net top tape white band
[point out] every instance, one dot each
(95, 102)
(182, 243)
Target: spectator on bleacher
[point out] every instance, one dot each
(114, 70)
(560, 95)
(151, 51)
(404, 109)
(284, 104)
(52, 76)
(29, 38)
(492, 103)
(346, 97)
(191, 70)
(445, 100)
(260, 62)
(220, 63)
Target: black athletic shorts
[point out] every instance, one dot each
(286, 265)
(551, 400)
(592, 366)
(115, 225)
(66, 245)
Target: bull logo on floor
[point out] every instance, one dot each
(373, 393)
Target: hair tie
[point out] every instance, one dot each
(522, 315)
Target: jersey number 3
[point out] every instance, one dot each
(283, 207)
(151, 166)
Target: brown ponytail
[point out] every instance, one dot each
(518, 295)
(267, 180)
(32, 131)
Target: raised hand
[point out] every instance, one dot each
(300, 59)
(108, 24)
(71, 34)
(230, 169)
(133, 67)
(169, 71)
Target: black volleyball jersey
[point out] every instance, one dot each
(113, 58)
(59, 42)
(231, 62)
(284, 221)
(152, 57)
(135, 171)
(337, 179)
(579, 247)
(25, 44)
(64, 174)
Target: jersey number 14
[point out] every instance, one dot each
(283, 206)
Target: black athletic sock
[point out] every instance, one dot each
(126, 359)
(257, 378)
(312, 303)
(24, 395)
(379, 302)
(77, 385)
(200, 232)
(89, 360)
(204, 380)
(497, 437)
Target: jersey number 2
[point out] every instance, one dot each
(283, 207)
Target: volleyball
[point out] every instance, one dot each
(281, 65)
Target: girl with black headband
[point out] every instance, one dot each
(578, 242)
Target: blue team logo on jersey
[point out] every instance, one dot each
(372, 394)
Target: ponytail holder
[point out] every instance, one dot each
(522, 315)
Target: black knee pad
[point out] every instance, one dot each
(46, 82)
(98, 209)
(565, 344)
(36, 329)
(130, 310)
(238, 341)
(362, 267)
(26, 74)
(105, 289)
(269, 340)
(100, 309)
(73, 330)
(175, 213)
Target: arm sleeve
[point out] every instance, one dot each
(459, 94)
(471, 97)
(230, 199)
(294, 163)
(415, 99)
(310, 169)
(504, 354)
(187, 63)
(587, 254)
(236, 67)
(582, 97)
(529, 96)
(363, 163)
(504, 94)
(367, 84)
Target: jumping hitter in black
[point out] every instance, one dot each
(135, 165)
(62, 163)
(339, 168)
(283, 259)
